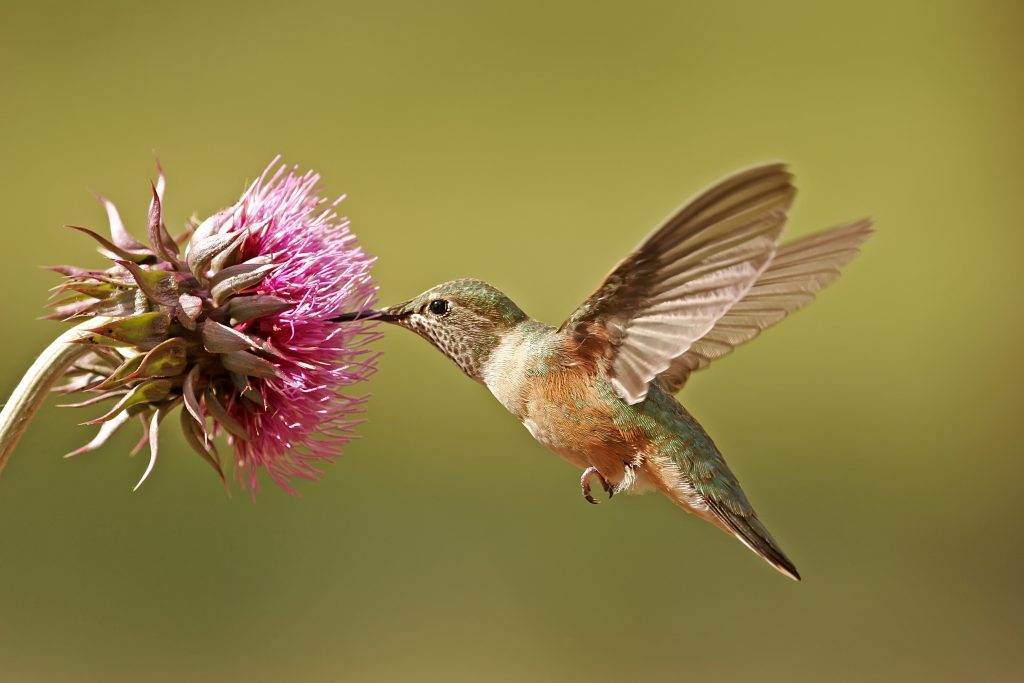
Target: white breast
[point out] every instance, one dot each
(506, 373)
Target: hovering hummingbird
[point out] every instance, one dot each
(599, 389)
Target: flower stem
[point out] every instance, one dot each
(28, 396)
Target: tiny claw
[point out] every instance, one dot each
(585, 485)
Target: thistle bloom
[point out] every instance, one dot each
(231, 322)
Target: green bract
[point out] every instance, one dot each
(175, 327)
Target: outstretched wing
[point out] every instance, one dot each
(799, 270)
(675, 286)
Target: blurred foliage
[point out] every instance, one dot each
(532, 144)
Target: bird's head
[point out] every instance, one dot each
(464, 319)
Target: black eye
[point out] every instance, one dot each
(440, 306)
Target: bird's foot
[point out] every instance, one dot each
(585, 484)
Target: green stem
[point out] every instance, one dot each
(28, 396)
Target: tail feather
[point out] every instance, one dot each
(753, 534)
(737, 519)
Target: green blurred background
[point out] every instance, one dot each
(533, 144)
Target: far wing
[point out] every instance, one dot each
(799, 270)
(675, 286)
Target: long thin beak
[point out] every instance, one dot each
(388, 315)
(357, 315)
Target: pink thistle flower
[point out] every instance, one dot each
(236, 329)
(322, 272)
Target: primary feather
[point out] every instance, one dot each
(799, 270)
(673, 289)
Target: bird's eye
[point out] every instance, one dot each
(440, 306)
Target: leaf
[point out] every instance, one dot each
(150, 391)
(235, 279)
(159, 285)
(117, 306)
(192, 406)
(106, 395)
(76, 272)
(242, 309)
(228, 255)
(245, 363)
(121, 237)
(145, 328)
(161, 181)
(219, 338)
(123, 304)
(123, 373)
(96, 290)
(209, 226)
(106, 430)
(154, 444)
(195, 437)
(247, 391)
(201, 251)
(187, 310)
(167, 359)
(161, 240)
(99, 363)
(222, 417)
(78, 309)
(78, 382)
(112, 249)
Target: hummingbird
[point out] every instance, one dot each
(599, 390)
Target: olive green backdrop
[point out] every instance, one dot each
(533, 144)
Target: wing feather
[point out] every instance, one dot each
(799, 270)
(677, 284)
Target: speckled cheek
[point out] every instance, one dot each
(447, 342)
